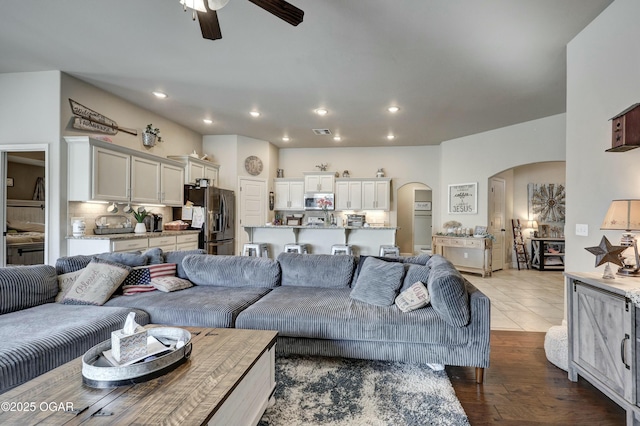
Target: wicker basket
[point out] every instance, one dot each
(169, 227)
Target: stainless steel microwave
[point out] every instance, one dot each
(316, 201)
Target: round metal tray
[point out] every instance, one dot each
(97, 373)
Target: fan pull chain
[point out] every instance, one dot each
(193, 16)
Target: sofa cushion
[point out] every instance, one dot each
(154, 256)
(232, 271)
(22, 287)
(198, 306)
(97, 282)
(361, 260)
(420, 259)
(132, 259)
(67, 264)
(413, 273)
(329, 313)
(448, 292)
(38, 339)
(177, 256)
(378, 282)
(169, 284)
(316, 270)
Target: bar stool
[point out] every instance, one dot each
(341, 249)
(255, 249)
(295, 248)
(390, 251)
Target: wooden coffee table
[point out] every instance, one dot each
(228, 380)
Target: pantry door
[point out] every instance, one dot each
(497, 207)
(253, 207)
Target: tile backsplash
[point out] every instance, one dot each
(91, 211)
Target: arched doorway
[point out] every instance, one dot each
(414, 218)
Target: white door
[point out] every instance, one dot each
(497, 221)
(252, 209)
(111, 174)
(281, 190)
(145, 181)
(296, 195)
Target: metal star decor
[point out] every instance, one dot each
(605, 252)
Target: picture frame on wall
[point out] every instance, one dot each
(463, 198)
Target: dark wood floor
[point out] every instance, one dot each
(521, 387)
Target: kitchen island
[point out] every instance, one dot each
(319, 239)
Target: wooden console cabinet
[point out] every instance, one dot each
(467, 254)
(547, 254)
(603, 338)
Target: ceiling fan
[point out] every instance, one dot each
(205, 10)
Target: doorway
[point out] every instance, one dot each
(497, 219)
(252, 208)
(23, 192)
(415, 221)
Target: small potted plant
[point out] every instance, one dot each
(150, 135)
(140, 214)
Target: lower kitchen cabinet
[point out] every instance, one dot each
(167, 242)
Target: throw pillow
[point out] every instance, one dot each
(168, 284)
(414, 273)
(129, 290)
(133, 259)
(448, 291)
(378, 282)
(154, 256)
(361, 260)
(65, 281)
(142, 275)
(96, 283)
(413, 298)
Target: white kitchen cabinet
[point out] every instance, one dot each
(348, 194)
(198, 169)
(101, 171)
(167, 243)
(319, 181)
(108, 176)
(376, 194)
(171, 183)
(145, 181)
(187, 242)
(289, 194)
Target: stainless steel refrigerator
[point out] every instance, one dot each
(218, 229)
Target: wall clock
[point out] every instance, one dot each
(253, 165)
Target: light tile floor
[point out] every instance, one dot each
(525, 300)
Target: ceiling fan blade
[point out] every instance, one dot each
(209, 24)
(283, 10)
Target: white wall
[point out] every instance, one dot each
(477, 157)
(30, 114)
(223, 150)
(176, 139)
(549, 172)
(403, 164)
(603, 68)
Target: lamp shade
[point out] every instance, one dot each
(533, 224)
(623, 215)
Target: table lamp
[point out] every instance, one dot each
(533, 225)
(625, 215)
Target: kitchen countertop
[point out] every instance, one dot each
(133, 236)
(372, 228)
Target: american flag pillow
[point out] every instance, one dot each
(142, 275)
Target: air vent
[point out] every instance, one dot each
(322, 132)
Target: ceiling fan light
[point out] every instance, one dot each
(194, 4)
(217, 4)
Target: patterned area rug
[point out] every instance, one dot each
(349, 392)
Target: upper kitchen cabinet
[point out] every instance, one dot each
(289, 194)
(376, 194)
(198, 169)
(348, 194)
(319, 181)
(101, 171)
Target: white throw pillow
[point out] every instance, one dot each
(96, 283)
(65, 281)
(413, 298)
(168, 284)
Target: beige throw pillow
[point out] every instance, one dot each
(97, 282)
(413, 298)
(65, 281)
(168, 284)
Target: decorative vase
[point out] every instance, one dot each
(148, 139)
(140, 228)
(327, 220)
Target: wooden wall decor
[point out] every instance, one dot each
(625, 130)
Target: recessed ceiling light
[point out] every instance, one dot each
(391, 137)
(321, 111)
(285, 139)
(207, 121)
(393, 109)
(160, 95)
(337, 138)
(255, 114)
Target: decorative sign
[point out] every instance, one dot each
(547, 202)
(422, 206)
(463, 198)
(88, 119)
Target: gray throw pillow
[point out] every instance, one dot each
(378, 282)
(132, 259)
(414, 273)
(448, 292)
(154, 256)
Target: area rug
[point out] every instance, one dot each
(349, 392)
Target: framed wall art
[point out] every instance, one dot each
(463, 198)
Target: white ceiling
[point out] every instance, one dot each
(455, 67)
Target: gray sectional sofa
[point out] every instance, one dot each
(319, 304)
